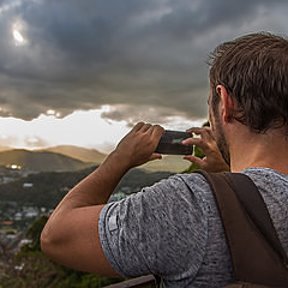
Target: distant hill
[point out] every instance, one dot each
(4, 148)
(40, 161)
(80, 153)
(169, 163)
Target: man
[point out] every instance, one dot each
(173, 228)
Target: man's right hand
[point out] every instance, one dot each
(213, 160)
(138, 146)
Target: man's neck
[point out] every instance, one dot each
(269, 150)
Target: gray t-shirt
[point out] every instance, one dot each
(173, 229)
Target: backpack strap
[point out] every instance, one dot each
(254, 259)
(254, 205)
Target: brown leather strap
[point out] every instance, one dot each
(254, 205)
(254, 260)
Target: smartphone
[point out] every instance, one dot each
(171, 143)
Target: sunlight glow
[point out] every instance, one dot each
(14, 167)
(18, 30)
(81, 128)
(18, 37)
(51, 112)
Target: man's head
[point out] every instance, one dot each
(254, 71)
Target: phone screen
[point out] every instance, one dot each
(171, 143)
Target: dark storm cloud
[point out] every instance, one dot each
(84, 54)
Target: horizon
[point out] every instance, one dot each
(49, 131)
(83, 73)
(9, 148)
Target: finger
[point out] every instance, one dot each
(196, 141)
(145, 127)
(195, 160)
(157, 131)
(138, 126)
(204, 132)
(208, 131)
(195, 130)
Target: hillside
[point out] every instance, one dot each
(46, 189)
(4, 148)
(28, 159)
(40, 161)
(80, 153)
(170, 163)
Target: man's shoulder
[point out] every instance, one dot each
(191, 181)
(268, 180)
(191, 187)
(263, 172)
(196, 185)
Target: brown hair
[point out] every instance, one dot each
(254, 70)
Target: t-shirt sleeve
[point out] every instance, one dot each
(161, 230)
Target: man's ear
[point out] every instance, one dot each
(226, 104)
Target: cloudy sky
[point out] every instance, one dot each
(82, 72)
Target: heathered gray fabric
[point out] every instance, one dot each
(173, 229)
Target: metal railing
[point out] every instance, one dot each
(140, 282)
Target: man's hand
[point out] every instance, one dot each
(138, 146)
(213, 161)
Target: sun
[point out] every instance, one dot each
(18, 37)
(18, 30)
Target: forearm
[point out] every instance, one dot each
(95, 190)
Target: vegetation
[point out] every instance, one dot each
(28, 267)
(31, 268)
(47, 190)
(50, 187)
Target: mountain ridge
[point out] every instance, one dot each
(83, 154)
(40, 161)
(170, 163)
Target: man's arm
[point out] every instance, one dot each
(71, 234)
